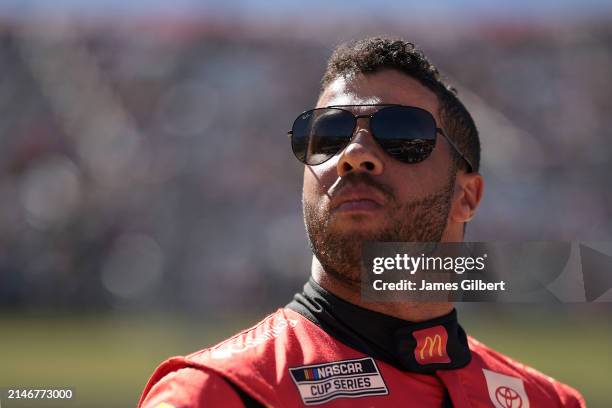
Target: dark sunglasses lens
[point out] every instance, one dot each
(321, 133)
(407, 134)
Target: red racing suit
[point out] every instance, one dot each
(288, 361)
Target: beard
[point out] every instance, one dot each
(339, 252)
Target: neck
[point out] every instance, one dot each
(410, 310)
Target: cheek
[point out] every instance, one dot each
(318, 179)
(414, 181)
(309, 189)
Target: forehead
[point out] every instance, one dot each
(387, 86)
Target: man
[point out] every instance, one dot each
(391, 154)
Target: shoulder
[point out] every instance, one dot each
(252, 361)
(254, 340)
(547, 386)
(190, 387)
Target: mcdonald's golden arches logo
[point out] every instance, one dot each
(437, 340)
(431, 345)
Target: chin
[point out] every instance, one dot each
(357, 223)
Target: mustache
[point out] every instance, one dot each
(356, 179)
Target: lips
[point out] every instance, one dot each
(357, 199)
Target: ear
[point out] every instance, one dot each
(467, 196)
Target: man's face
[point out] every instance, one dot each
(362, 194)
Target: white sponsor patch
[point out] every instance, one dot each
(319, 383)
(506, 391)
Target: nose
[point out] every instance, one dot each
(361, 155)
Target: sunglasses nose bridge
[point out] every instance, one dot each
(361, 153)
(362, 123)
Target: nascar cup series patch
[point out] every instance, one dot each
(319, 383)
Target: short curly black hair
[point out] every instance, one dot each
(377, 53)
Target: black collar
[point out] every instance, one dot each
(424, 347)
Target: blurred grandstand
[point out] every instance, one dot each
(150, 158)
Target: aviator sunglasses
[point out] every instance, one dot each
(406, 133)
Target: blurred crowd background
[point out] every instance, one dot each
(145, 168)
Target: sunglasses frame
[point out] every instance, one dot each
(371, 115)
